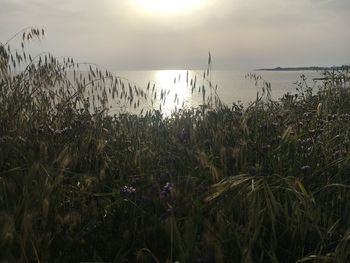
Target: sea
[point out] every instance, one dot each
(173, 89)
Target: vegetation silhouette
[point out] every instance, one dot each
(216, 183)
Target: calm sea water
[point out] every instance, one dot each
(232, 86)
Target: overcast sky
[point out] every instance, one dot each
(240, 34)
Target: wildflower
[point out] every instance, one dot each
(168, 187)
(163, 194)
(166, 190)
(305, 168)
(127, 190)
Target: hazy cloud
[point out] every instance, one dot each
(239, 33)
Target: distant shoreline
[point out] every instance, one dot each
(301, 68)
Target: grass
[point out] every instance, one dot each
(265, 183)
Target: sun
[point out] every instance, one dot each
(168, 6)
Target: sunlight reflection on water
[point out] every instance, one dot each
(174, 90)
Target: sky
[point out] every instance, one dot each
(178, 34)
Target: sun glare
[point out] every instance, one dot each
(172, 84)
(168, 6)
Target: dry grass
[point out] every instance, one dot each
(266, 183)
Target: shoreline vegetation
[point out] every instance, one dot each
(216, 183)
(327, 71)
(312, 68)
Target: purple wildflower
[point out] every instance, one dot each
(163, 194)
(166, 190)
(127, 190)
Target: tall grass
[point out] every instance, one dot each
(265, 183)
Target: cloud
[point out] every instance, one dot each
(114, 32)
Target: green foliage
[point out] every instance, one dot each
(266, 183)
